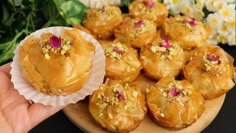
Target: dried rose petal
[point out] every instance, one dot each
(118, 51)
(166, 43)
(191, 21)
(121, 95)
(138, 24)
(173, 92)
(103, 9)
(214, 58)
(55, 42)
(149, 4)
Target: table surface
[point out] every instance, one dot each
(223, 123)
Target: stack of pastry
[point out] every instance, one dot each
(172, 53)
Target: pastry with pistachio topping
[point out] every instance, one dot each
(189, 32)
(57, 65)
(136, 32)
(150, 10)
(162, 58)
(118, 107)
(174, 103)
(102, 21)
(122, 61)
(210, 70)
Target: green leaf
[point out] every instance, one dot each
(8, 53)
(9, 21)
(11, 2)
(58, 3)
(126, 2)
(3, 45)
(17, 2)
(73, 11)
(5, 14)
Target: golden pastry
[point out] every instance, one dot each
(136, 32)
(174, 103)
(57, 65)
(118, 107)
(189, 32)
(102, 22)
(210, 70)
(122, 61)
(162, 58)
(150, 10)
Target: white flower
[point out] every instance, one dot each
(223, 29)
(174, 6)
(199, 4)
(232, 25)
(116, 2)
(227, 13)
(99, 3)
(214, 21)
(231, 39)
(187, 9)
(214, 5)
(198, 13)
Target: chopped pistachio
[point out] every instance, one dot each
(162, 114)
(135, 94)
(47, 56)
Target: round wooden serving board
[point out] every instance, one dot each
(79, 114)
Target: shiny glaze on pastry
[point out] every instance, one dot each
(210, 70)
(102, 22)
(136, 32)
(118, 107)
(189, 32)
(162, 58)
(174, 103)
(56, 69)
(122, 61)
(150, 10)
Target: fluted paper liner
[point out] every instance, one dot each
(30, 93)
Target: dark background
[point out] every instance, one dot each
(225, 122)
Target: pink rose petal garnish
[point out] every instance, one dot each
(173, 92)
(191, 21)
(55, 42)
(103, 9)
(214, 58)
(149, 4)
(121, 95)
(166, 43)
(118, 51)
(138, 24)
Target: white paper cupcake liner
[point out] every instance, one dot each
(30, 93)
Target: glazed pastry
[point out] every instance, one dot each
(57, 65)
(118, 107)
(150, 10)
(189, 32)
(102, 22)
(122, 61)
(210, 70)
(136, 32)
(162, 58)
(174, 104)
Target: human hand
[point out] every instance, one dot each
(18, 115)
